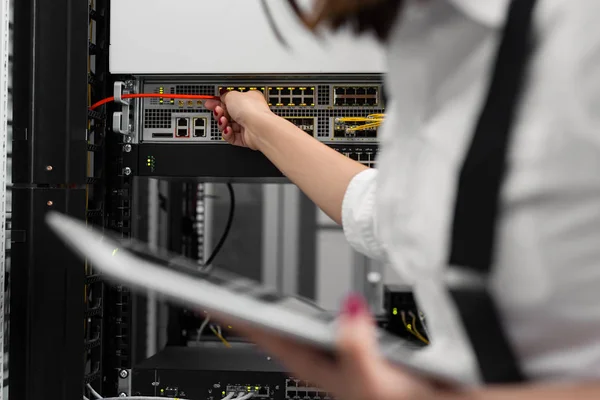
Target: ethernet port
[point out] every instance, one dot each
(372, 91)
(297, 92)
(340, 101)
(182, 129)
(361, 91)
(339, 132)
(273, 100)
(309, 92)
(340, 91)
(351, 91)
(200, 132)
(368, 134)
(302, 394)
(285, 101)
(360, 102)
(199, 123)
(286, 92)
(263, 391)
(354, 156)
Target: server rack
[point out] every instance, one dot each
(58, 63)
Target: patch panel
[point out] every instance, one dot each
(307, 124)
(291, 96)
(356, 96)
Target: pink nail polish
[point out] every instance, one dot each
(354, 305)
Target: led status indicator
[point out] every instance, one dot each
(395, 311)
(151, 163)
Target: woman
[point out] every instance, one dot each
(436, 199)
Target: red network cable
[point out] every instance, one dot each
(156, 96)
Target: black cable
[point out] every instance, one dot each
(227, 227)
(273, 24)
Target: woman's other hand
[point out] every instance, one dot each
(235, 115)
(359, 373)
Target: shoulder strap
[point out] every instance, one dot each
(478, 196)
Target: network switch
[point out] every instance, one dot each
(320, 100)
(334, 111)
(212, 372)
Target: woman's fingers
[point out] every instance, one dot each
(302, 360)
(222, 123)
(211, 104)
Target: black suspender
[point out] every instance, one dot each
(476, 208)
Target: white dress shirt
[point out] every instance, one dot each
(546, 278)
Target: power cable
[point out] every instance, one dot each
(227, 227)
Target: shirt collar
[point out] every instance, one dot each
(488, 12)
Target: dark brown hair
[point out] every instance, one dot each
(376, 16)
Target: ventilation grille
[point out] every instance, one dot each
(157, 119)
(195, 89)
(323, 96)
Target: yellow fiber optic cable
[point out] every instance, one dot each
(409, 328)
(217, 334)
(416, 332)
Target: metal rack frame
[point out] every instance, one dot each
(49, 172)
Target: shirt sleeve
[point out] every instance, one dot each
(359, 216)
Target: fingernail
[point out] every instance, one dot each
(354, 305)
(216, 113)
